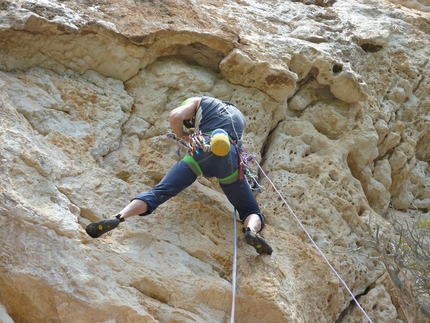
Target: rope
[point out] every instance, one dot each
(233, 283)
(246, 159)
(313, 242)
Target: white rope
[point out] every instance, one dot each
(313, 242)
(233, 283)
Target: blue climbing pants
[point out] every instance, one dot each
(185, 172)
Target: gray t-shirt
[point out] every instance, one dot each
(216, 114)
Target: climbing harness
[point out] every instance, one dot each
(197, 142)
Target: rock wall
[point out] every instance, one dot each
(336, 99)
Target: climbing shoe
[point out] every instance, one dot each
(96, 229)
(255, 240)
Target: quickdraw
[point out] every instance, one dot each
(197, 142)
(246, 170)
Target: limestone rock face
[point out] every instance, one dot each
(336, 96)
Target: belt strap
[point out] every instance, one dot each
(191, 162)
(230, 178)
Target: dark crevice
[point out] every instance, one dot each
(351, 305)
(266, 142)
(371, 48)
(419, 83)
(320, 3)
(422, 77)
(337, 68)
(202, 55)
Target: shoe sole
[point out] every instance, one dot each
(96, 229)
(260, 245)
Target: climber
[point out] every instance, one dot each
(213, 152)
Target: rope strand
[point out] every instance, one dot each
(233, 283)
(313, 242)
